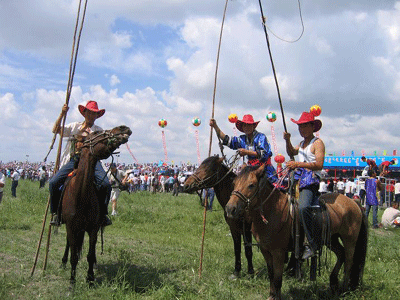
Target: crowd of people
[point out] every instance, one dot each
(253, 145)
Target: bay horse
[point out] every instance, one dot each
(268, 209)
(80, 206)
(213, 173)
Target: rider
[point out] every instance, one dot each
(252, 143)
(311, 153)
(90, 112)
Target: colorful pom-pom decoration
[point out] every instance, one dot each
(233, 118)
(196, 121)
(271, 116)
(162, 123)
(315, 110)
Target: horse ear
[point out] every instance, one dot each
(260, 171)
(221, 159)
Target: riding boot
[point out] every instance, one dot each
(105, 220)
(55, 220)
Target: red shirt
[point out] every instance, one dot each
(371, 162)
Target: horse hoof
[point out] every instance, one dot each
(234, 276)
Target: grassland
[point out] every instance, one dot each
(152, 251)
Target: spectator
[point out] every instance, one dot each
(2, 183)
(15, 176)
(323, 187)
(331, 185)
(350, 188)
(42, 177)
(391, 216)
(397, 192)
(209, 195)
(372, 185)
(384, 168)
(340, 186)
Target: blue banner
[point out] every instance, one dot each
(355, 162)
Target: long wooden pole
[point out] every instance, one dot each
(74, 55)
(211, 131)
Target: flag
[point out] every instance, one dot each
(374, 153)
(352, 153)
(384, 152)
(394, 152)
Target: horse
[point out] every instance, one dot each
(269, 211)
(213, 173)
(80, 206)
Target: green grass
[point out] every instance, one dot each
(152, 251)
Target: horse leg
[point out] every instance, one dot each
(74, 261)
(338, 249)
(65, 257)
(275, 263)
(349, 248)
(236, 236)
(91, 258)
(248, 250)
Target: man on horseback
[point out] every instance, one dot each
(252, 144)
(70, 156)
(311, 153)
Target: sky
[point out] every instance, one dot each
(145, 60)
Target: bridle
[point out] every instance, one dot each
(244, 199)
(99, 137)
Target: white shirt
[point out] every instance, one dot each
(15, 176)
(340, 185)
(323, 187)
(2, 180)
(305, 154)
(69, 131)
(388, 217)
(350, 186)
(114, 183)
(397, 188)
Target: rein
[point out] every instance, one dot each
(202, 183)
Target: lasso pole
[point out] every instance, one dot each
(74, 54)
(211, 131)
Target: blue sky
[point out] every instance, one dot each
(146, 60)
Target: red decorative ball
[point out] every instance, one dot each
(279, 159)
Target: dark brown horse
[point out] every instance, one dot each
(272, 227)
(80, 206)
(213, 173)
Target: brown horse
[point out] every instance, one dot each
(213, 173)
(80, 206)
(272, 227)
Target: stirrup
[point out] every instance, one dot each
(54, 221)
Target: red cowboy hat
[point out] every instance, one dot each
(247, 119)
(92, 106)
(307, 117)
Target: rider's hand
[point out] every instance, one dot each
(286, 136)
(213, 123)
(242, 152)
(64, 109)
(291, 164)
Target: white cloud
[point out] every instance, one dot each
(114, 80)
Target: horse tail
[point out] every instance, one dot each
(79, 243)
(360, 252)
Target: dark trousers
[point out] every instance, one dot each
(101, 180)
(42, 182)
(308, 197)
(14, 185)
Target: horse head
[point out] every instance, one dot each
(103, 143)
(246, 189)
(205, 176)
